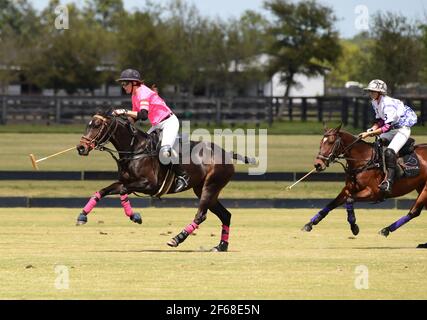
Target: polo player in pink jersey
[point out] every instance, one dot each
(147, 104)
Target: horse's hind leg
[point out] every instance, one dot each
(413, 213)
(225, 216)
(339, 200)
(351, 216)
(111, 189)
(208, 195)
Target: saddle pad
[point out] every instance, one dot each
(410, 165)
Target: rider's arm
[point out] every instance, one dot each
(137, 115)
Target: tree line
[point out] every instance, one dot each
(173, 44)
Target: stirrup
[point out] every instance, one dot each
(181, 186)
(385, 186)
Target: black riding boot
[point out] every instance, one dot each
(390, 162)
(181, 178)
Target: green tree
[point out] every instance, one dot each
(191, 40)
(423, 69)
(247, 39)
(351, 65)
(305, 40)
(67, 59)
(395, 55)
(19, 26)
(142, 44)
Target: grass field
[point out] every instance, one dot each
(235, 189)
(284, 153)
(269, 257)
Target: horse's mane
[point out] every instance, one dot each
(105, 112)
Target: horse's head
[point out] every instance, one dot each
(330, 148)
(98, 132)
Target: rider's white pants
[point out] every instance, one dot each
(398, 138)
(169, 130)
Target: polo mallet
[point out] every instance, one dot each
(290, 187)
(34, 161)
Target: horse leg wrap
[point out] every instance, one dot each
(225, 233)
(319, 216)
(126, 204)
(351, 217)
(180, 238)
(92, 203)
(399, 223)
(191, 227)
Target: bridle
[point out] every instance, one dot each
(335, 155)
(106, 132)
(332, 156)
(102, 136)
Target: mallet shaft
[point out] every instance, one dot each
(290, 187)
(55, 154)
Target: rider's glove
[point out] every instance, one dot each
(370, 130)
(119, 112)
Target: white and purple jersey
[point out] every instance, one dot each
(393, 113)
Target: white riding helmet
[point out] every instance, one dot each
(377, 86)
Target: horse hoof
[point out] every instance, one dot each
(222, 247)
(308, 227)
(172, 243)
(355, 229)
(136, 217)
(82, 219)
(385, 232)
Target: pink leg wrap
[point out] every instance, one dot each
(92, 203)
(225, 233)
(126, 204)
(191, 227)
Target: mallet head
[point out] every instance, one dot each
(34, 162)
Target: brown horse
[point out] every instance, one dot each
(141, 171)
(364, 173)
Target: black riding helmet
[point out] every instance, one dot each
(130, 75)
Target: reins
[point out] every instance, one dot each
(332, 158)
(132, 155)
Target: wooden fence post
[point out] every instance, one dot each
(344, 111)
(218, 112)
(3, 110)
(320, 109)
(304, 109)
(58, 110)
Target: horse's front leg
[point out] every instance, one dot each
(351, 216)
(339, 200)
(144, 186)
(114, 188)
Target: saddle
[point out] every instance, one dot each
(408, 162)
(171, 174)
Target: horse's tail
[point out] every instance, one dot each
(244, 159)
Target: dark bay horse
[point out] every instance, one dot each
(140, 170)
(363, 174)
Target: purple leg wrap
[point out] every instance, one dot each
(399, 223)
(319, 216)
(351, 217)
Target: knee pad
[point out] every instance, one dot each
(165, 154)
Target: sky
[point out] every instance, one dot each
(353, 15)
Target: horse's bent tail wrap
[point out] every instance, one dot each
(364, 175)
(140, 171)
